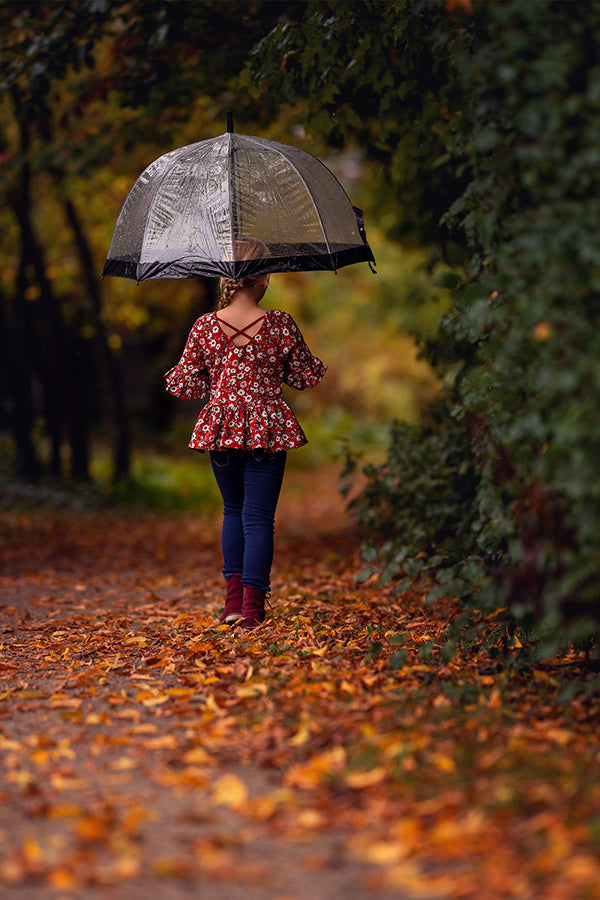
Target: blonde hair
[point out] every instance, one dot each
(243, 248)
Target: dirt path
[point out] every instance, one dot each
(123, 776)
(339, 752)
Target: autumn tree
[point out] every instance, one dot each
(42, 46)
(83, 87)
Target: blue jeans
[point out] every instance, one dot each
(249, 482)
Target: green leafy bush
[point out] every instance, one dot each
(420, 500)
(525, 327)
(496, 107)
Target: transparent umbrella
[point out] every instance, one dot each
(195, 210)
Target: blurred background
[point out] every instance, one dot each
(93, 92)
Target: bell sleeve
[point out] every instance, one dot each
(301, 369)
(189, 379)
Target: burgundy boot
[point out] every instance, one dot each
(233, 601)
(253, 607)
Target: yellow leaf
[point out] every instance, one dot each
(408, 877)
(265, 806)
(127, 866)
(544, 677)
(138, 639)
(126, 714)
(366, 779)
(32, 851)
(20, 777)
(144, 728)
(64, 811)
(197, 756)
(151, 698)
(93, 830)
(230, 791)
(444, 763)
(560, 735)
(40, 757)
(179, 692)
(6, 744)
(252, 690)
(67, 783)
(137, 816)
(63, 880)
(542, 331)
(124, 764)
(381, 853)
(310, 818)
(453, 831)
(495, 699)
(315, 770)
(301, 737)
(161, 742)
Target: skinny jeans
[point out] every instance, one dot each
(250, 482)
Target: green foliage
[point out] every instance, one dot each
(529, 394)
(495, 109)
(349, 316)
(421, 501)
(160, 482)
(385, 100)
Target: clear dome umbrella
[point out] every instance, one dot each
(232, 206)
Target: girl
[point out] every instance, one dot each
(240, 360)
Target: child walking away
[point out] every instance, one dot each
(239, 357)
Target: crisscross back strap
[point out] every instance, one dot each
(239, 331)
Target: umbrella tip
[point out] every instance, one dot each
(229, 122)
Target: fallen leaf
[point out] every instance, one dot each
(229, 790)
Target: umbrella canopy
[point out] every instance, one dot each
(196, 210)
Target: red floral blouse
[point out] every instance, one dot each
(245, 409)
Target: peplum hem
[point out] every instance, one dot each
(269, 425)
(242, 383)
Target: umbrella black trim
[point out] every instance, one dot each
(187, 268)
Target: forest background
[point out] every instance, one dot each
(468, 133)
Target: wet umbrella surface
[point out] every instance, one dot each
(194, 211)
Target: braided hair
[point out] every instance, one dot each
(229, 288)
(244, 248)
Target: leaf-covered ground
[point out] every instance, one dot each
(339, 751)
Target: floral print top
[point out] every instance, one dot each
(245, 408)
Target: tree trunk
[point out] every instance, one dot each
(121, 445)
(15, 371)
(61, 392)
(41, 365)
(112, 363)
